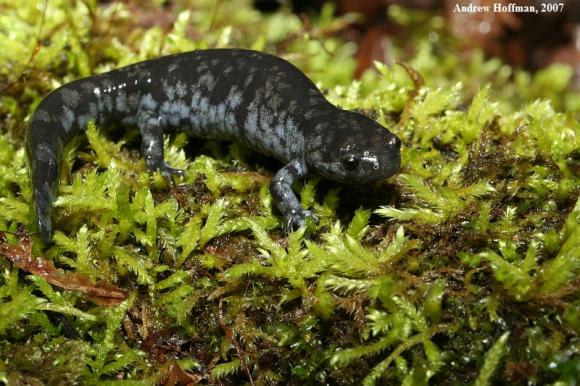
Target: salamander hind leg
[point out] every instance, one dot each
(151, 130)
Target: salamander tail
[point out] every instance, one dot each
(44, 153)
(43, 201)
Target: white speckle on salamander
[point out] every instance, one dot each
(221, 111)
(165, 111)
(234, 98)
(221, 114)
(316, 141)
(310, 114)
(93, 110)
(181, 89)
(82, 120)
(279, 131)
(182, 109)
(195, 98)
(148, 102)
(231, 123)
(42, 115)
(70, 97)
(207, 80)
(169, 90)
(165, 108)
(212, 113)
(108, 102)
(174, 112)
(266, 119)
(121, 102)
(195, 123)
(249, 80)
(68, 118)
(204, 105)
(201, 67)
(251, 124)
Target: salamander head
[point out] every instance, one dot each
(353, 149)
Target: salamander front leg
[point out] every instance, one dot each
(152, 145)
(285, 199)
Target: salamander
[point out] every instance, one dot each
(260, 100)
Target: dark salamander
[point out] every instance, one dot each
(260, 100)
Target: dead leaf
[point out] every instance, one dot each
(101, 293)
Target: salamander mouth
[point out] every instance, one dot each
(365, 178)
(376, 171)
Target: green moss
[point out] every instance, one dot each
(461, 270)
(492, 360)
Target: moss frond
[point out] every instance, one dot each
(222, 370)
(492, 359)
(18, 307)
(443, 203)
(564, 267)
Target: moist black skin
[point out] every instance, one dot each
(260, 100)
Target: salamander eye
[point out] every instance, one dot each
(350, 161)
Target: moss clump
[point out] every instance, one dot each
(463, 269)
